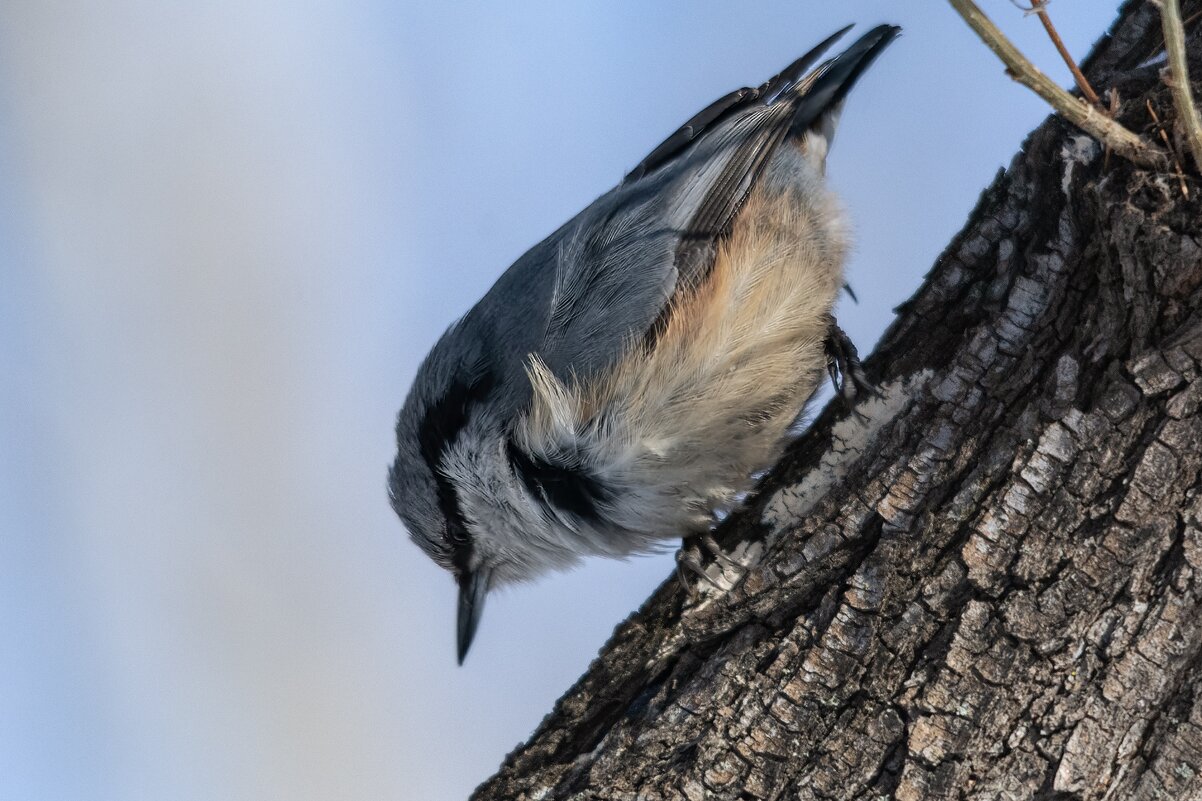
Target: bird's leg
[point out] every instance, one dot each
(687, 558)
(843, 365)
(711, 545)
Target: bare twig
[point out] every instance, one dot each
(1187, 112)
(1040, 8)
(1086, 117)
(1164, 137)
(1113, 112)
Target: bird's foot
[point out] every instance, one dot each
(688, 561)
(843, 366)
(689, 558)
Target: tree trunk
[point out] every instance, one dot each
(986, 586)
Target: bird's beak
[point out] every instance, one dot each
(473, 588)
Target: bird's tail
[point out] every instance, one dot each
(819, 94)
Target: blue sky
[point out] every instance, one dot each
(229, 233)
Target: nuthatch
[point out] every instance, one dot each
(628, 376)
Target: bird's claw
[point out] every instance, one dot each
(689, 558)
(843, 366)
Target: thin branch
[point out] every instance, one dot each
(1187, 112)
(1040, 8)
(1164, 137)
(1080, 113)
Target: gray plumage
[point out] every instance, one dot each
(627, 375)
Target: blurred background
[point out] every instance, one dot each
(229, 231)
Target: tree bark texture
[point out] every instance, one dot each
(988, 584)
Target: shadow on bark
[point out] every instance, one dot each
(989, 586)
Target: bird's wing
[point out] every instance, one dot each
(620, 262)
(724, 107)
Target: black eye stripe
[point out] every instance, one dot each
(440, 427)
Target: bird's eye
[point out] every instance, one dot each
(460, 544)
(455, 533)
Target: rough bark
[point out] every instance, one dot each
(990, 585)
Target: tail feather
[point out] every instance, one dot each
(789, 77)
(824, 91)
(795, 79)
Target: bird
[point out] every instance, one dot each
(628, 377)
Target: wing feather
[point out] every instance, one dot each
(623, 261)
